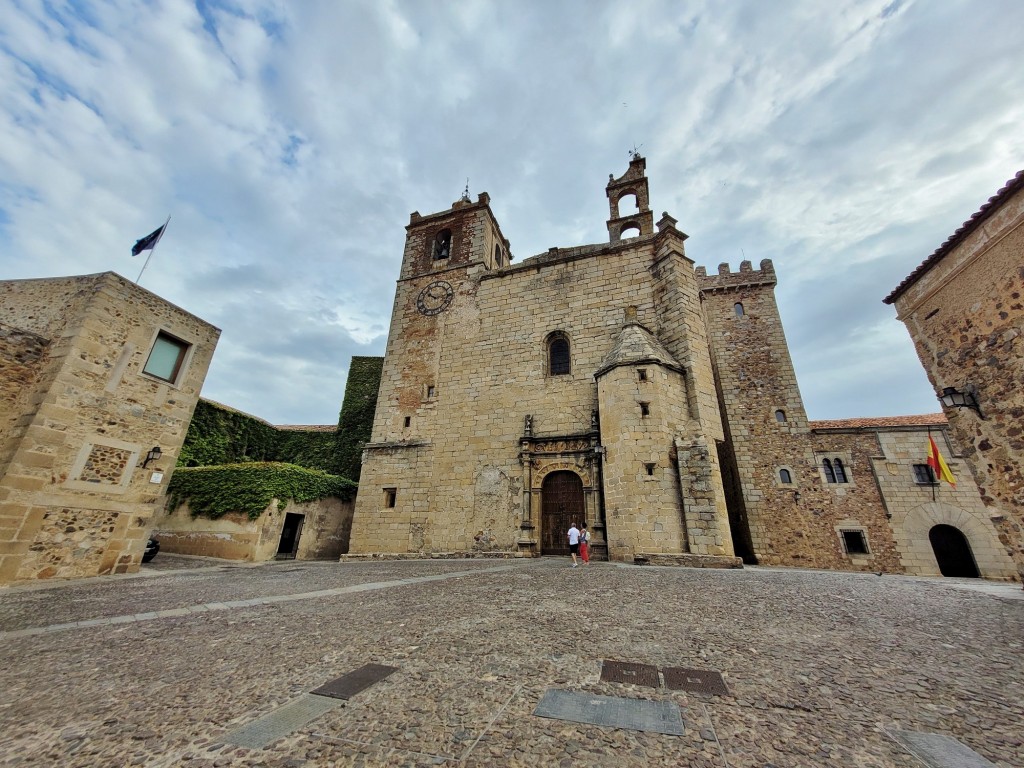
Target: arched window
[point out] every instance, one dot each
(837, 465)
(830, 476)
(780, 416)
(738, 308)
(559, 359)
(785, 476)
(443, 244)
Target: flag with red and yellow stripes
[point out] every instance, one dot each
(938, 464)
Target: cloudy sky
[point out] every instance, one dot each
(289, 141)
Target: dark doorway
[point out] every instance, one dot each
(952, 552)
(290, 536)
(739, 527)
(562, 498)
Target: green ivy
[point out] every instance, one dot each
(219, 435)
(355, 423)
(214, 491)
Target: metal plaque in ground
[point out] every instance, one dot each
(347, 686)
(632, 714)
(282, 722)
(629, 672)
(938, 751)
(695, 681)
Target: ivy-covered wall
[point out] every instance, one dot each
(356, 421)
(221, 435)
(214, 491)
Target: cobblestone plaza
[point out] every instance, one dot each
(169, 666)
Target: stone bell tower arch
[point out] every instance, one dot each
(622, 192)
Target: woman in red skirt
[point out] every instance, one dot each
(584, 544)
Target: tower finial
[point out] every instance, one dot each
(634, 153)
(465, 192)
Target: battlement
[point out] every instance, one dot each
(726, 279)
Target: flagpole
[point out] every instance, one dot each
(163, 230)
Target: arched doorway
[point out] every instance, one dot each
(952, 552)
(562, 505)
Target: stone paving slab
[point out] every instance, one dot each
(813, 665)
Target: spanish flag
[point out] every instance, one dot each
(938, 464)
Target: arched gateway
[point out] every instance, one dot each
(562, 505)
(952, 552)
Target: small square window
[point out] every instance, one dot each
(855, 542)
(924, 475)
(645, 409)
(166, 357)
(390, 494)
(780, 416)
(650, 468)
(408, 421)
(430, 391)
(642, 374)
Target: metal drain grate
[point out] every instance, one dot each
(695, 681)
(347, 686)
(628, 672)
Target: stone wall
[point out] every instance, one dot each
(325, 532)
(755, 379)
(458, 382)
(74, 499)
(22, 358)
(965, 312)
(914, 508)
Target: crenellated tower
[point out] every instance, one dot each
(769, 459)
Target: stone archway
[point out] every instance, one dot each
(912, 531)
(953, 552)
(562, 504)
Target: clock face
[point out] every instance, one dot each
(435, 298)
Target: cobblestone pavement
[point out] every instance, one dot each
(822, 668)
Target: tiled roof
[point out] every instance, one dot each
(875, 422)
(1013, 185)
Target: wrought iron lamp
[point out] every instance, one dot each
(952, 397)
(154, 454)
(796, 497)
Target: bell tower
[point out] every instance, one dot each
(628, 201)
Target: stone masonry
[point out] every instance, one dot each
(964, 310)
(619, 385)
(79, 415)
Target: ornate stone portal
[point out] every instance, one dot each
(541, 458)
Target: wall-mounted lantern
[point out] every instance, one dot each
(952, 397)
(154, 454)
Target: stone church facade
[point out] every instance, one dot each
(620, 385)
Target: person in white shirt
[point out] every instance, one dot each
(574, 542)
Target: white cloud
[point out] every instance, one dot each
(290, 141)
